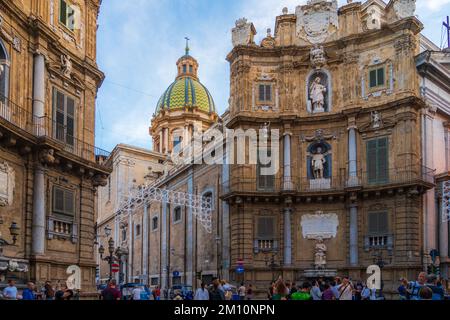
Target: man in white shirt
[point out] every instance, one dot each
(242, 291)
(346, 290)
(137, 293)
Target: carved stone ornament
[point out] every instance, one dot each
(7, 184)
(243, 33)
(317, 20)
(319, 226)
(405, 8)
(13, 266)
(317, 55)
(100, 180)
(319, 135)
(377, 121)
(269, 41)
(47, 156)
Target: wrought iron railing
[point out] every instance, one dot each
(47, 127)
(392, 177)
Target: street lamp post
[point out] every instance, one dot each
(14, 232)
(115, 254)
(381, 263)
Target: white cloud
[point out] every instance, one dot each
(433, 5)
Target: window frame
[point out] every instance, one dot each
(157, 223)
(67, 17)
(6, 73)
(376, 68)
(265, 85)
(137, 230)
(66, 116)
(267, 186)
(377, 179)
(175, 210)
(378, 232)
(65, 192)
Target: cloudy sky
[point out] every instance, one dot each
(139, 42)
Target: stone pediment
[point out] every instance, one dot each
(381, 124)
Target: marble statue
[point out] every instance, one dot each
(317, 93)
(66, 64)
(320, 255)
(2, 68)
(376, 120)
(318, 161)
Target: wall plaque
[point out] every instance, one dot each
(319, 225)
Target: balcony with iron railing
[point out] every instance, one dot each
(45, 127)
(264, 185)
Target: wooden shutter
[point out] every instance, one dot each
(268, 93)
(378, 223)
(63, 201)
(261, 92)
(265, 182)
(266, 228)
(380, 77)
(63, 12)
(70, 121)
(382, 160)
(372, 161)
(373, 78)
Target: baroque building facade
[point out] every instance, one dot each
(50, 168)
(361, 101)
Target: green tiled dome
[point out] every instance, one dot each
(186, 92)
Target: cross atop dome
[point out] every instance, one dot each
(187, 45)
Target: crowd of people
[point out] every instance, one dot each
(31, 292)
(426, 287)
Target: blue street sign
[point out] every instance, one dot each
(176, 274)
(240, 270)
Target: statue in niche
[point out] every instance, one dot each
(320, 255)
(318, 164)
(317, 92)
(66, 65)
(376, 120)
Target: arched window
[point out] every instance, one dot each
(4, 77)
(208, 197)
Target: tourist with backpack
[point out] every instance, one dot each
(415, 286)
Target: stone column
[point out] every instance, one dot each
(190, 236)
(164, 246)
(443, 232)
(287, 237)
(130, 249)
(287, 183)
(166, 140)
(352, 157)
(160, 141)
(353, 235)
(226, 261)
(145, 230)
(39, 94)
(38, 224)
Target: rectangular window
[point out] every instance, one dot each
(176, 281)
(378, 223)
(184, 68)
(63, 201)
(264, 181)
(377, 78)
(265, 93)
(154, 281)
(177, 214)
(138, 230)
(378, 161)
(190, 69)
(265, 228)
(124, 235)
(155, 223)
(64, 117)
(66, 15)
